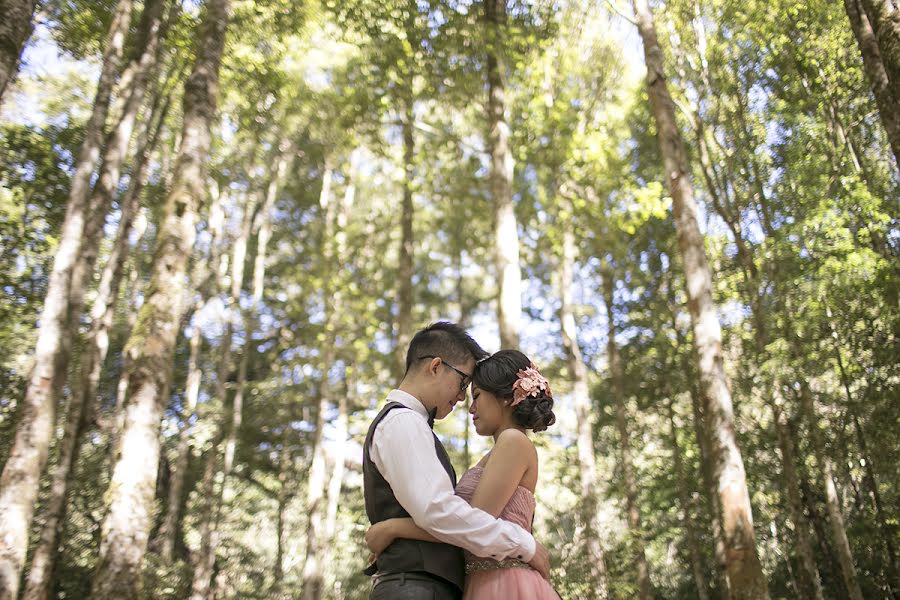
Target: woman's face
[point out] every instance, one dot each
(488, 411)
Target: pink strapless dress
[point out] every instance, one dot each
(514, 583)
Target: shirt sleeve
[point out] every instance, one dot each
(403, 451)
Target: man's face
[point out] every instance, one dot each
(452, 382)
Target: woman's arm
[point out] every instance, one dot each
(511, 457)
(381, 535)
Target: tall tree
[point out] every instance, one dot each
(506, 235)
(407, 239)
(142, 68)
(888, 107)
(578, 373)
(20, 479)
(206, 282)
(126, 526)
(313, 572)
(82, 403)
(826, 473)
(321, 497)
(745, 573)
(15, 29)
(684, 500)
(627, 462)
(884, 16)
(216, 471)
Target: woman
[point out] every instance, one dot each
(509, 397)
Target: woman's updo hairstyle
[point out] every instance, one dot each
(499, 373)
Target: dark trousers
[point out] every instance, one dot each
(413, 586)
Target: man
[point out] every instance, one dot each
(407, 473)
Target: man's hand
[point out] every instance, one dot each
(540, 562)
(379, 536)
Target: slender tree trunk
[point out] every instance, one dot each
(686, 521)
(407, 241)
(884, 16)
(869, 467)
(337, 478)
(832, 502)
(81, 405)
(744, 568)
(506, 235)
(812, 587)
(203, 272)
(887, 530)
(263, 224)
(627, 463)
(126, 526)
(20, 480)
(709, 481)
(204, 566)
(335, 214)
(284, 496)
(214, 487)
(315, 491)
(888, 104)
(583, 415)
(114, 153)
(706, 466)
(15, 29)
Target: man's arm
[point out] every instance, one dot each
(403, 451)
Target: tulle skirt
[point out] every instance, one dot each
(508, 584)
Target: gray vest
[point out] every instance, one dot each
(404, 556)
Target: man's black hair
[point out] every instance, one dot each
(445, 340)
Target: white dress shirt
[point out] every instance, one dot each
(403, 451)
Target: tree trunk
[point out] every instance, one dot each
(263, 224)
(706, 469)
(334, 214)
(627, 463)
(744, 568)
(709, 481)
(126, 526)
(706, 464)
(832, 502)
(20, 480)
(686, 521)
(15, 29)
(888, 108)
(583, 415)
(81, 404)
(506, 235)
(284, 476)
(335, 484)
(884, 16)
(114, 153)
(868, 466)
(812, 586)
(214, 486)
(407, 241)
(204, 272)
(204, 565)
(886, 529)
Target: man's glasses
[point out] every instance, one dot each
(466, 378)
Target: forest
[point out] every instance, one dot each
(221, 221)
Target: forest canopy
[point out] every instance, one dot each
(222, 221)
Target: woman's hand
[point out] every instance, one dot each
(379, 536)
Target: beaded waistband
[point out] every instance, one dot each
(486, 564)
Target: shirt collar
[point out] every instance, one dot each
(409, 401)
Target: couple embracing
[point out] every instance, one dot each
(432, 536)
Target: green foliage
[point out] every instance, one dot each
(798, 203)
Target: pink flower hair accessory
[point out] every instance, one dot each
(530, 382)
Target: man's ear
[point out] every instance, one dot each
(434, 365)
